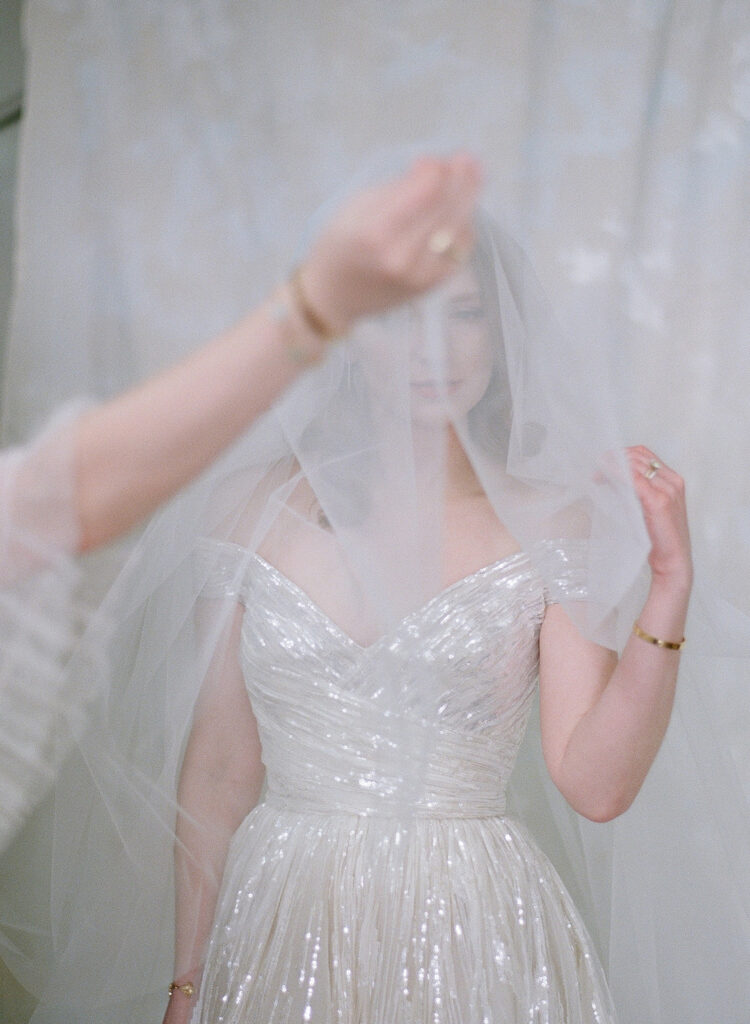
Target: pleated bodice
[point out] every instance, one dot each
(379, 880)
(461, 671)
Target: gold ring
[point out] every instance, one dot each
(442, 243)
(653, 468)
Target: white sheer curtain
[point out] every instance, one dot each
(173, 152)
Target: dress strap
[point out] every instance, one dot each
(221, 568)
(562, 565)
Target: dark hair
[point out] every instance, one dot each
(330, 428)
(491, 419)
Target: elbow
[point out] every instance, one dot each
(603, 807)
(100, 520)
(87, 540)
(602, 814)
(597, 799)
(92, 521)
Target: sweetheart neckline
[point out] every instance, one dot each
(502, 563)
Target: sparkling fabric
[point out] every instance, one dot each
(336, 905)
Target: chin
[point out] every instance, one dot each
(433, 404)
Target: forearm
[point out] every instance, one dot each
(211, 809)
(200, 857)
(375, 254)
(615, 742)
(138, 449)
(201, 846)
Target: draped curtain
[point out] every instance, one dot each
(176, 154)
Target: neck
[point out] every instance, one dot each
(460, 480)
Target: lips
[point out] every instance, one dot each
(433, 388)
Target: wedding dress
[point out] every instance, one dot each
(337, 906)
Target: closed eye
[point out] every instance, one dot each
(470, 313)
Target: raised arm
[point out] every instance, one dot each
(603, 721)
(220, 783)
(377, 252)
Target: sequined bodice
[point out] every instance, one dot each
(461, 671)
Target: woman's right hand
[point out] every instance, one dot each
(390, 243)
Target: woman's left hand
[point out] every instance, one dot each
(661, 492)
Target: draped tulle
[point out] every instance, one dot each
(191, 143)
(43, 610)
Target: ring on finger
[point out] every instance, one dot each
(653, 468)
(443, 243)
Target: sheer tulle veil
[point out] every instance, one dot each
(338, 486)
(42, 614)
(348, 468)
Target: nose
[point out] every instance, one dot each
(426, 338)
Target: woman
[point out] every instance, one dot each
(382, 593)
(365, 586)
(94, 473)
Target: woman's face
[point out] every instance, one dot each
(463, 324)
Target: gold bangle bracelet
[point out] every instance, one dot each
(670, 645)
(285, 307)
(187, 988)
(312, 318)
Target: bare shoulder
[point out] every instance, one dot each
(236, 509)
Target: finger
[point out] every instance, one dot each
(663, 477)
(645, 456)
(648, 486)
(642, 454)
(644, 493)
(418, 194)
(659, 486)
(444, 247)
(431, 221)
(455, 212)
(448, 209)
(464, 185)
(652, 466)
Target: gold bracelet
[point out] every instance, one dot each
(318, 324)
(670, 645)
(303, 355)
(187, 988)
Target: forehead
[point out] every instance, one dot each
(463, 284)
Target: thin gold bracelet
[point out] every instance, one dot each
(283, 307)
(670, 645)
(187, 988)
(311, 316)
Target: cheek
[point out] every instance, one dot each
(471, 356)
(473, 367)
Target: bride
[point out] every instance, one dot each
(297, 800)
(382, 592)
